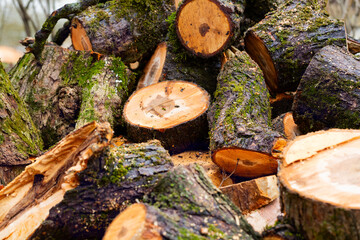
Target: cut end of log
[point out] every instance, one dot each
(79, 38)
(258, 51)
(132, 224)
(245, 163)
(203, 27)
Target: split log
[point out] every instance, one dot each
(286, 40)
(70, 88)
(205, 27)
(19, 138)
(26, 201)
(127, 29)
(253, 194)
(171, 111)
(241, 138)
(320, 188)
(353, 45)
(285, 124)
(328, 94)
(118, 176)
(185, 205)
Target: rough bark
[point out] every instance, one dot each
(19, 138)
(172, 111)
(286, 40)
(70, 88)
(328, 95)
(128, 29)
(26, 201)
(239, 119)
(206, 27)
(119, 176)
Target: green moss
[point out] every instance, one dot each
(2, 138)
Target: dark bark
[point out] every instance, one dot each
(328, 94)
(119, 176)
(291, 36)
(62, 34)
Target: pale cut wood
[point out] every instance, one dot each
(79, 38)
(25, 202)
(253, 194)
(9, 55)
(154, 67)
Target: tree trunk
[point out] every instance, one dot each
(205, 27)
(119, 176)
(171, 111)
(286, 40)
(306, 179)
(26, 201)
(328, 95)
(241, 138)
(285, 124)
(186, 205)
(127, 29)
(70, 88)
(19, 138)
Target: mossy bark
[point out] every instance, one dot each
(292, 35)
(328, 94)
(128, 29)
(70, 88)
(119, 176)
(191, 207)
(240, 113)
(19, 138)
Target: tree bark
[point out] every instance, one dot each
(19, 138)
(305, 180)
(286, 40)
(130, 30)
(328, 95)
(241, 138)
(71, 88)
(118, 176)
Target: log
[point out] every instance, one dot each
(71, 88)
(205, 27)
(353, 45)
(118, 176)
(253, 194)
(19, 137)
(26, 201)
(305, 180)
(241, 139)
(328, 95)
(281, 103)
(185, 205)
(171, 111)
(286, 40)
(285, 124)
(127, 29)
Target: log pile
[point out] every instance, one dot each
(223, 85)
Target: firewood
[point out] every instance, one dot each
(281, 103)
(285, 124)
(285, 41)
(71, 88)
(205, 27)
(320, 189)
(183, 205)
(19, 137)
(241, 138)
(171, 111)
(26, 201)
(118, 176)
(253, 194)
(353, 45)
(328, 95)
(130, 30)
(79, 38)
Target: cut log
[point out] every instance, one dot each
(26, 201)
(320, 194)
(79, 38)
(353, 45)
(285, 124)
(19, 138)
(205, 27)
(241, 138)
(286, 40)
(328, 94)
(70, 88)
(130, 30)
(171, 111)
(253, 194)
(118, 176)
